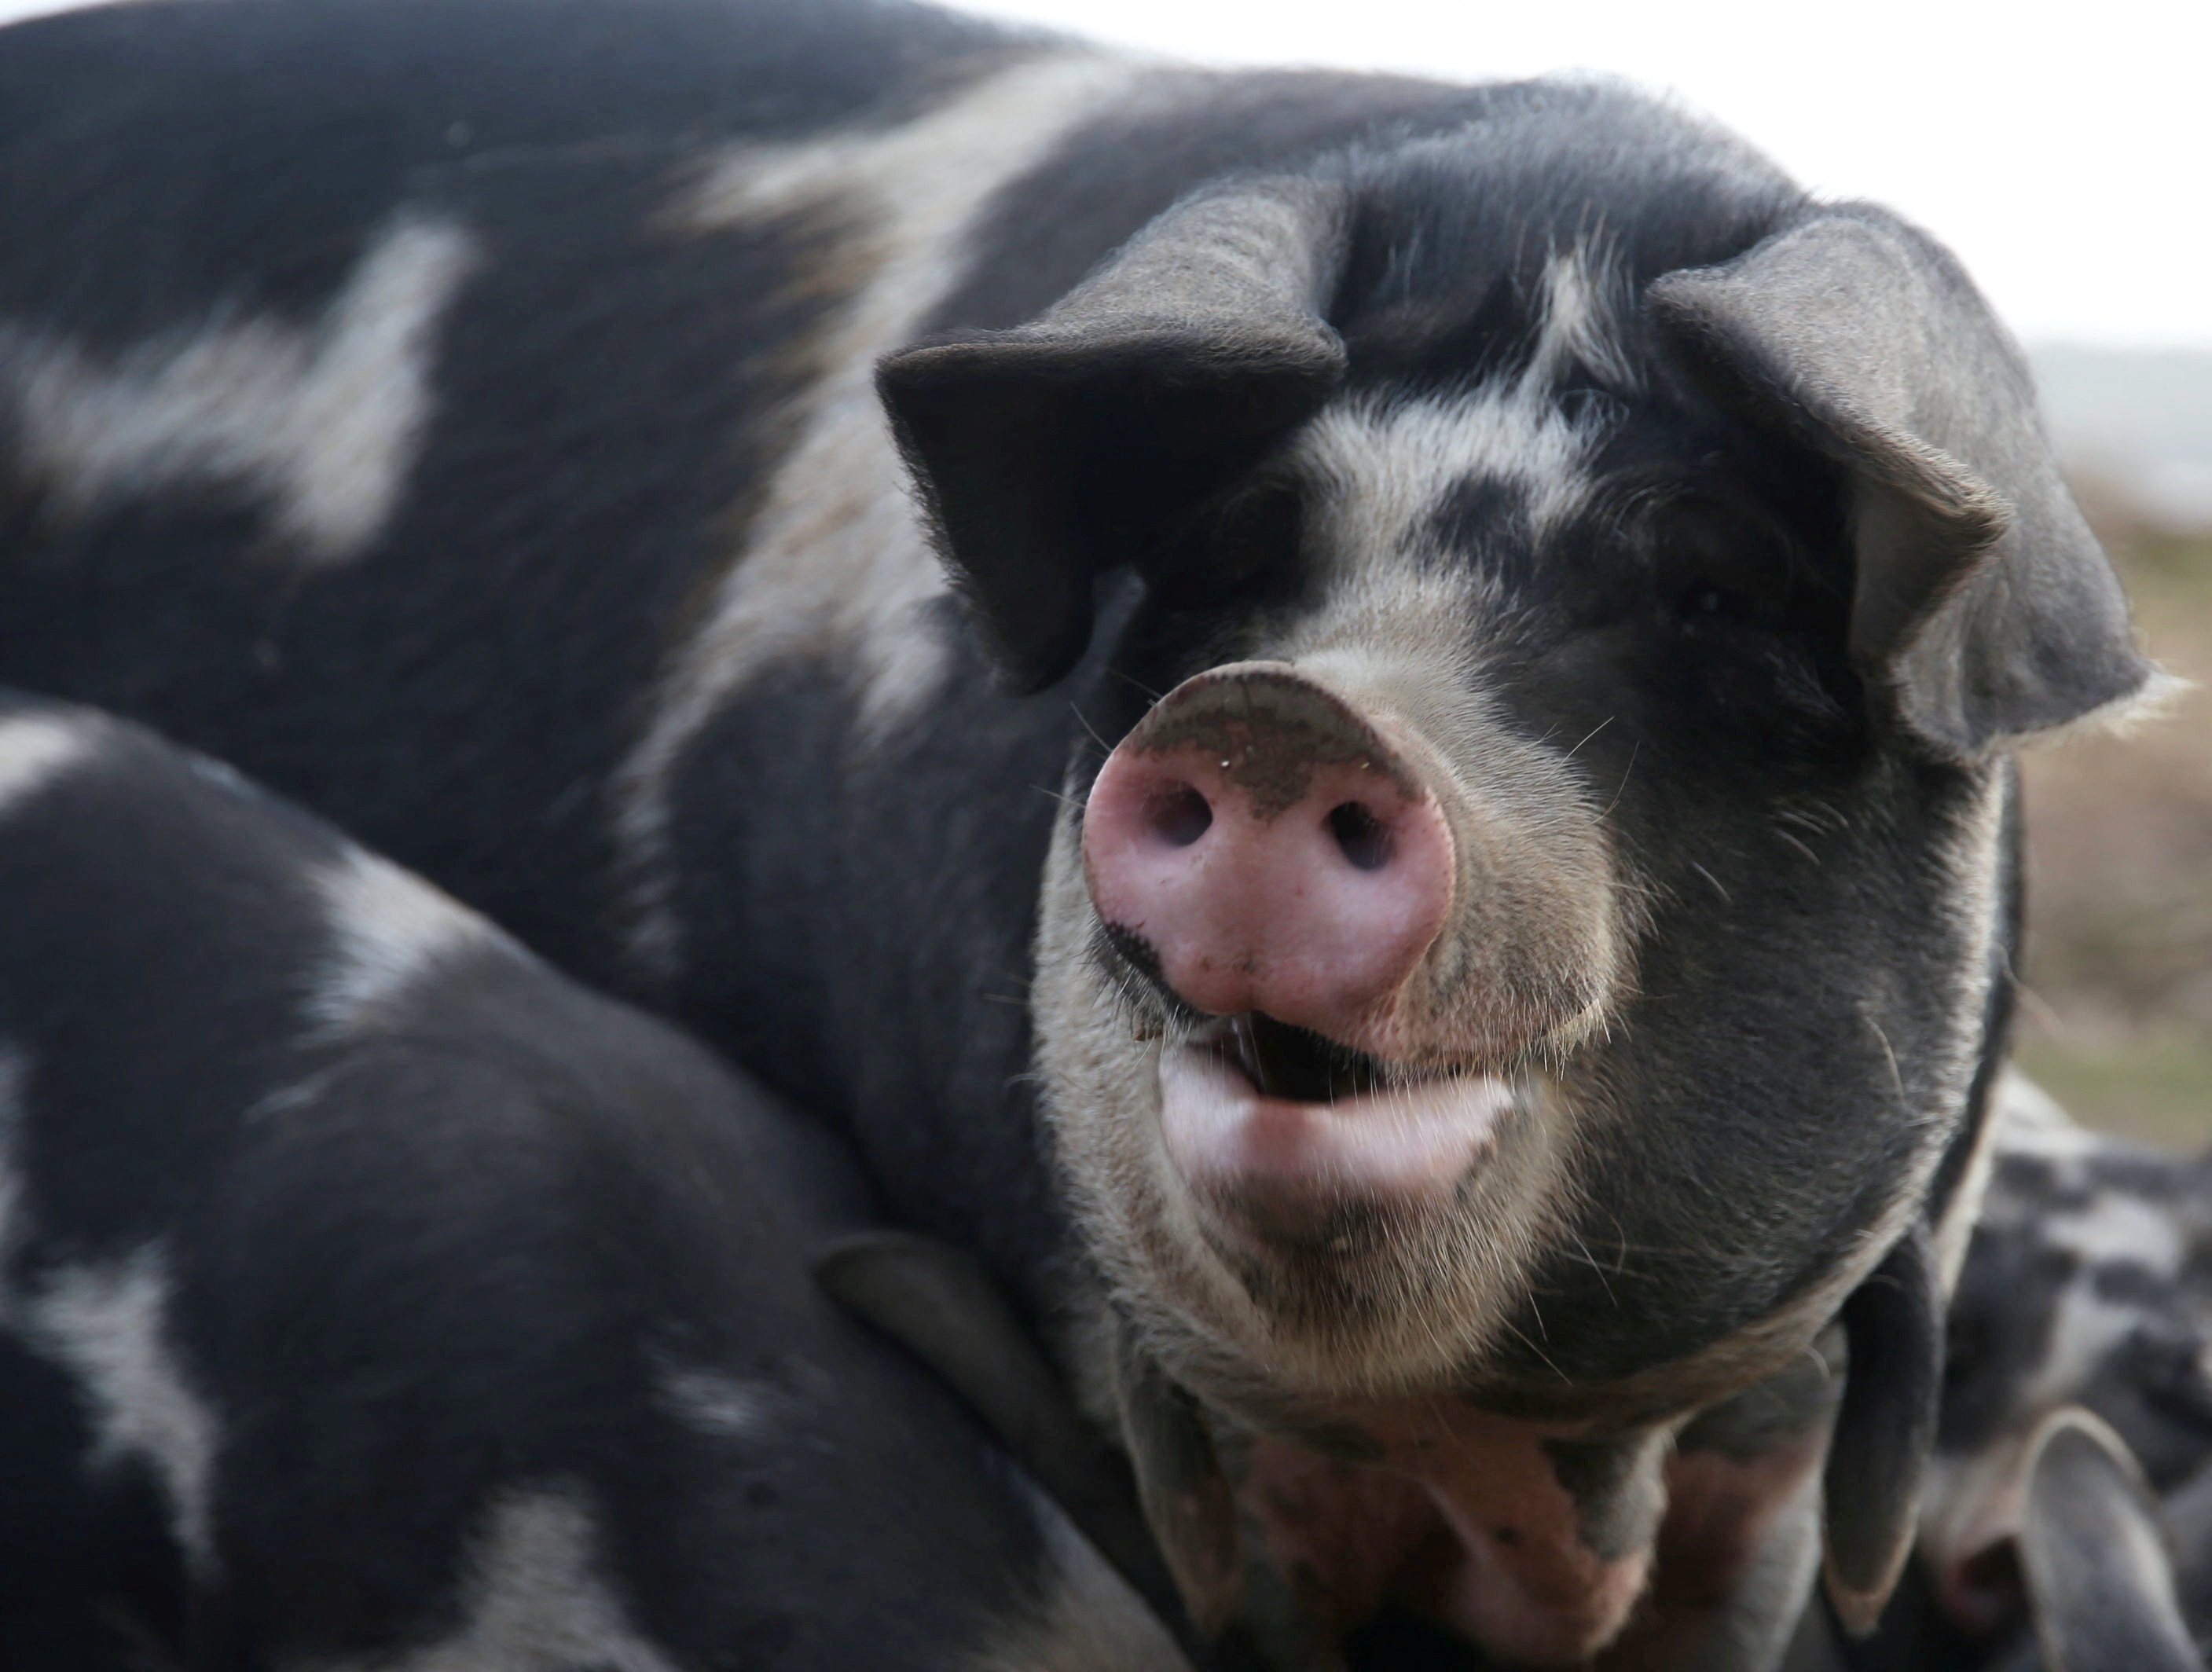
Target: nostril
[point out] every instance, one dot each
(1364, 839)
(1179, 815)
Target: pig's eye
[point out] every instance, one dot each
(1243, 544)
(1718, 567)
(1708, 601)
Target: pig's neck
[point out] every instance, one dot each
(859, 918)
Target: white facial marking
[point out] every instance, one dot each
(1085, 1619)
(535, 1601)
(389, 929)
(323, 419)
(836, 560)
(719, 1405)
(1384, 470)
(37, 750)
(1583, 300)
(106, 1325)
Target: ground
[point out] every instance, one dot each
(2118, 1021)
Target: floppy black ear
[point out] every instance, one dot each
(1984, 604)
(1045, 454)
(1893, 1326)
(2100, 1582)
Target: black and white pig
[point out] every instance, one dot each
(374, 1296)
(1358, 729)
(2068, 1523)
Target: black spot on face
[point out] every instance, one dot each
(1486, 517)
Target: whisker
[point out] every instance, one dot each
(1799, 846)
(1587, 735)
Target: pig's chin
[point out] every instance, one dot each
(1302, 1167)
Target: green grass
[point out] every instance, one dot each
(2157, 1087)
(2119, 1029)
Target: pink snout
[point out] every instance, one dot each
(1265, 844)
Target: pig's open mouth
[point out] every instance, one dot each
(1292, 1063)
(1278, 1124)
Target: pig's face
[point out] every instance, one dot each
(1509, 952)
(1525, 934)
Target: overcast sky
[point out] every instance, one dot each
(2065, 152)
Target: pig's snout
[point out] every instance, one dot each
(1271, 849)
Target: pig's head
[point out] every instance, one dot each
(1528, 938)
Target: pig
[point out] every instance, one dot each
(2067, 1524)
(1358, 731)
(375, 1296)
(2086, 1290)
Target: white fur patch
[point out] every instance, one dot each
(2117, 1228)
(388, 930)
(2031, 1123)
(38, 749)
(1384, 470)
(2085, 1332)
(1584, 298)
(720, 1406)
(324, 420)
(837, 566)
(107, 1326)
(535, 1601)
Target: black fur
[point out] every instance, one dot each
(456, 1252)
(857, 916)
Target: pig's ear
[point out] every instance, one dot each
(1893, 1327)
(1984, 607)
(1048, 453)
(2101, 1583)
